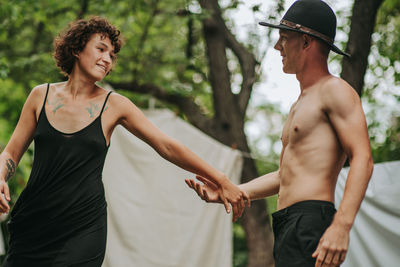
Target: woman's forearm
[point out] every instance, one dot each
(8, 166)
(183, 157)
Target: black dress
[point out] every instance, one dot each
(60, 218)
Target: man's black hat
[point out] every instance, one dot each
(313, 17)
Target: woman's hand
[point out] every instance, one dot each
(4, 197)
(225, 194)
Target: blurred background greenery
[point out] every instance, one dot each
(165, 46)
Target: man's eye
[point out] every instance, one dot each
(101, 49)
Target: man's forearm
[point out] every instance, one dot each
(357, 182)
(263, 186)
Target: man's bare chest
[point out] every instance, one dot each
(305, 116)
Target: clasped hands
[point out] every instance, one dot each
(227, 193)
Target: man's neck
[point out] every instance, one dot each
(313, 69)
(312, 73)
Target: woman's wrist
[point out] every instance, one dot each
(223, 180)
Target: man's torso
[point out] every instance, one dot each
(312, 156)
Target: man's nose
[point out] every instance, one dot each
(278, 46)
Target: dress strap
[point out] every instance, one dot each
(45, 98)
(105, 101)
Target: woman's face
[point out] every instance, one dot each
(96, 59)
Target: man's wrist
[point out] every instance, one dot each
(342, 221)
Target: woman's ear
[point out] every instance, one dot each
(75, 54)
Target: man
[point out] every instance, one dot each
(325, 126)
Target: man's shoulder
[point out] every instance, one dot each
(332, 83)
(337, 93)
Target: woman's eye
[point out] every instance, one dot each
(101, 49)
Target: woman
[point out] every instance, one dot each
(60, 217)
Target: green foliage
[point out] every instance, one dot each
(382, 86)
(159, 50)
(387, 37)
(389, 149)
(239, 246)
(12, 96)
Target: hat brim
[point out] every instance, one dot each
(333, 47)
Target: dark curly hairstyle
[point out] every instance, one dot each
(74, 39)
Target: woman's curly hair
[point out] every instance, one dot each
(74, 39)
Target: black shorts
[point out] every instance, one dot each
(298, 229)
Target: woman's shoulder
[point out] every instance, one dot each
(38, 92)
(121, 105)
(40, 88)
(118, 99)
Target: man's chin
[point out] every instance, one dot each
(287, 70)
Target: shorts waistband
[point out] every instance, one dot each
(303, 206)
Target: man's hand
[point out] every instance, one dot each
(210, 192)
(4, 197)
(332, 247)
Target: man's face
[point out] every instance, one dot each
(290, 46)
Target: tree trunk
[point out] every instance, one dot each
(359, 44)
(229, 122)
(255, 222)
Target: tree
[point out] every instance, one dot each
(386, 65)
(368, 19)
(359, 44)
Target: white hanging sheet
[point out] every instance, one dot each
(154, 219)
(375, 236)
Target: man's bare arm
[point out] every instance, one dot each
(263, 186)
(345, 113)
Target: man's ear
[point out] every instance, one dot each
(306, 40)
